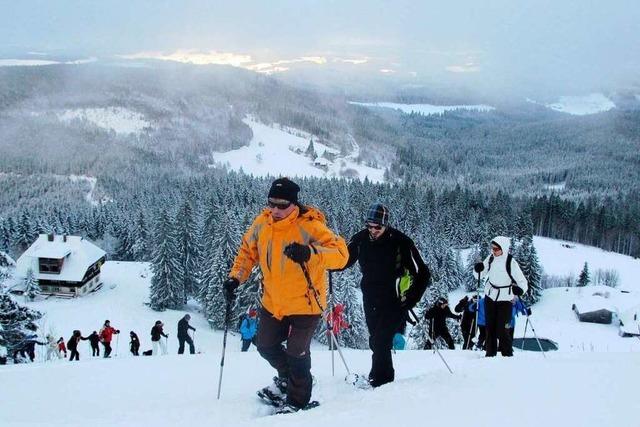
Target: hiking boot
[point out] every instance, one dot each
(275, 393)
(287, 408)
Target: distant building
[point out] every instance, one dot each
(63, 265)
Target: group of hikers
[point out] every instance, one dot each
(57, 349)
(294, 249)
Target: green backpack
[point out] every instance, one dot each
(403, 284)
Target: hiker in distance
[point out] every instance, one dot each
(438, 315)
(106, 335)
(294, 248)
(183, 334)
(466, 306)
(248, 329)
(134, 343)
(505, 282)
(385, 255)
(157, 332)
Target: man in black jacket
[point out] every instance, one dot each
(468, 323)
(183, 334)
(438, 316)
(385, 255)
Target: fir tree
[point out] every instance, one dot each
(221, 250)
(188, 250)
(31, 285)
(166, 288)
(527, 258)
(140, 240)
(17, 322)
(311, 152)
(585, 278)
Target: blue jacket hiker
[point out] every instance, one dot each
(518, 308)
(248, 329)
(481, 322)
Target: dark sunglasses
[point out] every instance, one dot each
(281, 206)
(374, 226)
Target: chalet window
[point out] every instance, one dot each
(50, 265)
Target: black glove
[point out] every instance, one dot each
(229, 289)
(528, 311)
(517, 291)
(117, 331)
(478, 267)
(298, 253)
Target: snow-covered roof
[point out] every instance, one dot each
(78, 253)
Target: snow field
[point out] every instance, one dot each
(272, 152)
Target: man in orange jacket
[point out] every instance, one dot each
(294, 248)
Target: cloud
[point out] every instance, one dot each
(193, 56)
(468, 67)
(387, 71)
(352, 61)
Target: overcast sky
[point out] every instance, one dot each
(580, 44)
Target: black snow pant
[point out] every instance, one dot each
(246, 344)
(482, 336)
(107, 348)
(468, 334)
(95, 349)
(188, 340)
(441, 333)
(134, 350)
(382, 323)
(294, 363)
(498, 319)
(74, 353)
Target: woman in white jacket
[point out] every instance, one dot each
(505, 282)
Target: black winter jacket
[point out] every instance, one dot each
(183, 328)
(156, 332)
(384, 260)
(468, 317)
(439, 316)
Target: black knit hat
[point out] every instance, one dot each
(285, 189)
(378, 214)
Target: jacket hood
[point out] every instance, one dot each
(503, 242)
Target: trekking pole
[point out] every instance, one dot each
(117, 342)
(224, 344)
(433, 344)
(315, 295)
(535, 335)
(526, 324)
(332, 338)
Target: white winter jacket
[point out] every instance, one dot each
(498, 285)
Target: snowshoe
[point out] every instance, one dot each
(287, 408)
(359, 381)
(275, 393)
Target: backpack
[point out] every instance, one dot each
(403, 284)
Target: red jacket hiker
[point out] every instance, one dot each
(106, 333)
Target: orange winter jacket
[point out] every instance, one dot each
(285, 287)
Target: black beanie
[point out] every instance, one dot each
(285, 189)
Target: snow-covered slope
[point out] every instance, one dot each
(120, 120)
(580, 105)
(578, 389)
(562, 258)
(426, 109)
(279, 151)
(595, 370)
